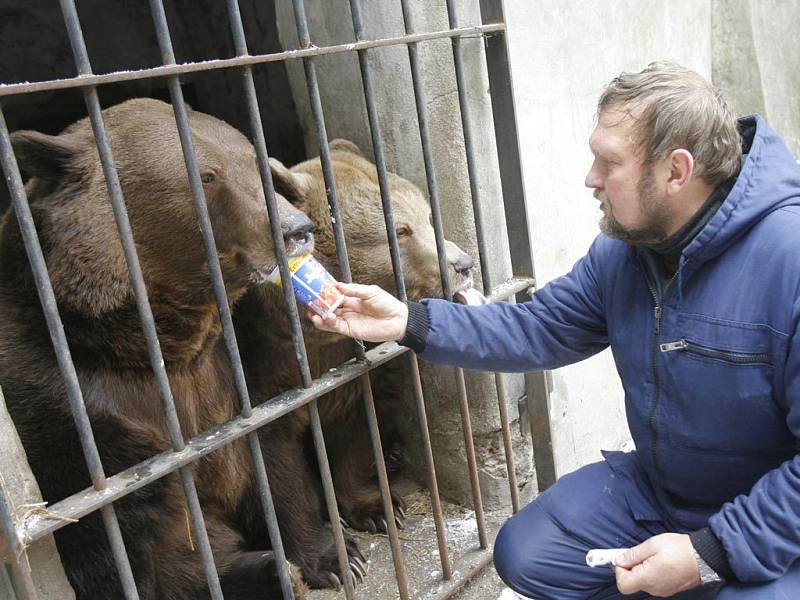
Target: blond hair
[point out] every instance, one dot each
(673, 107)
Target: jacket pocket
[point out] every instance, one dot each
(725, 355)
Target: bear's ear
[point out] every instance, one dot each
(292, 186)
(45, 156)
(346, 145)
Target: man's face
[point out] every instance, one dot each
(634, 208)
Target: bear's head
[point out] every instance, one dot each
(76, 224)
(365, 229)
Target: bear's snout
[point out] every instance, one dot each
(297, 234)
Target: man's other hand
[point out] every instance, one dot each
(367, 313)
(662, 566)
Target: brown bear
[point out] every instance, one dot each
(76, 227)
(342, 411)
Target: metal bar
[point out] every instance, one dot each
(421, 101)
(12, 89)
(469, 445)
(541, 438)
(433, 485)
(517, 224)
(20, 573)
(394, 251)
(508, 447)
(148, 471)
(462, 580)
(56, 329)
(259, 141)
(301, 23)
(140, 293)
(182, 121)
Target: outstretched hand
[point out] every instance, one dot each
(367, 313)
(662, 566)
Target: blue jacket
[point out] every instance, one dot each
(710, 365)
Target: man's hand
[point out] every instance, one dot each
(662, 566)
(368, 313)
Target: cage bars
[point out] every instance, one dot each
(252, 418)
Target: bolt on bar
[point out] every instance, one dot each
(61, 349)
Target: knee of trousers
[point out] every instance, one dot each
(521, 555)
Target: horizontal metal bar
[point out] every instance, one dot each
(457, 583)
(11, 89)
(82, 503)
(146, 472)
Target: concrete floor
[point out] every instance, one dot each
(421, 557)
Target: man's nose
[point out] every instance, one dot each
(593, 180)
(296, 227)
(463, 264)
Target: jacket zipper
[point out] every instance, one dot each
(657, 312)
(741, 358)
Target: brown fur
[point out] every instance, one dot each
(342, 410)
(79, 239)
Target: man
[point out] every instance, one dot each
(694, 283)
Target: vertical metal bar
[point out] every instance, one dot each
(380, 163)
(508, 447)
(56, 329)
(20, 573)
(517, 224)
(433, 485)
(257, 128)
(140, 292)
(421, 100)
(446, 288)
(297, 332)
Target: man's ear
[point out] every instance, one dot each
(45, 156)
(681, 165)
(292, 186)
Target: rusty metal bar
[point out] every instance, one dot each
(259, 141)
(12, 89)
(517, 225)
(301, 23)
(394, 251)
(55, 327)
(20, 573)
(146, 472)
(508, 447)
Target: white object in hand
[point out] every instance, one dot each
(603, 556)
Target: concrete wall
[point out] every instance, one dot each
(756, 61)
(562, 53)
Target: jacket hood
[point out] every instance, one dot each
(768, 181)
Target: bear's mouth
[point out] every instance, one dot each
(469, 295)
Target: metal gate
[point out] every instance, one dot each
(18, 533)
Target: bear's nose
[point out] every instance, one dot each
(463, 264)
(296, 227)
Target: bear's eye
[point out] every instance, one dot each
(208, 177)
(403, 230)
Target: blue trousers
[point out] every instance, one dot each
(541, 551)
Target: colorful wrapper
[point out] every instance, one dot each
(312, 284)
